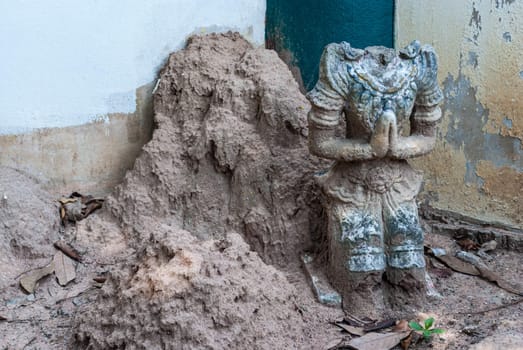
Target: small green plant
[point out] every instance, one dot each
(426, 329)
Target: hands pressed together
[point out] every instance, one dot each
(385, 139)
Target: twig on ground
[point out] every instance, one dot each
(380, 325)
(67, 250)
(491, 309)
(75, 295)
(30, 342)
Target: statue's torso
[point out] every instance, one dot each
(363, 83)
(378, 80)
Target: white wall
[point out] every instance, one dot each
(71, 62)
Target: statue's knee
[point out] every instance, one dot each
(361, 235)
(404, 239)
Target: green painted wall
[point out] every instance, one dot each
(299, 30)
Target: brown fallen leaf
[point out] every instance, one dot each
(64, 268)
(458, 265)
(468, 244)
(77, 207)
(351, 329)
(487, 274)
(62, 214)
(495, 278)
(73, 211)
(405, 343)
(29, 279)
(64, 200)
(100, 279)
(489, 246)
(401, 326)
(92, 205)
(355, 321)
(67, 250)
(374, 341)
(333, 344)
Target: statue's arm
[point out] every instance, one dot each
(324, 143)
(422, 137)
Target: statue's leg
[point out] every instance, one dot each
(404, 244)
(356, 256)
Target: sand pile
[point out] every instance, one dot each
(229, 154)
(186, 294)
(229, 151)
(29, 224)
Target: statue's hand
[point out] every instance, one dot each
(380, 139)
(398, 144)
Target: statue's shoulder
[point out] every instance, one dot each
(332, 87)
(429, 92)
(337, 54)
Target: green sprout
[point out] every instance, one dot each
(426, 329)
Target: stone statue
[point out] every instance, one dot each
(388, 103)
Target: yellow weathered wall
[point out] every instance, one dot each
(477, 166)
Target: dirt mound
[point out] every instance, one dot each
(29, 223)
(229, 154)
(187, 294)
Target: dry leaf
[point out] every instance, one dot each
(421, 317)
(73, 211)
(29, 279)
(458, 265)
(493, 277)
(100, 279)
(62, 213)
(64, 268)
(486, 273)
(64, 200)
(489, 246)
(381, 341)
(402, 326)
(67, 250)
(351, 329)
(355, 321)
(333, 344)
(468, 244)
(78, 206)
(92, 205)
(405, 343)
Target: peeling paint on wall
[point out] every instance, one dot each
(477, 166)
(467, 120)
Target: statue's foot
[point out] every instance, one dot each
(364, 296)
(406, 289)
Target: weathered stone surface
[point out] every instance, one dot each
(320, 284)
(388, 101)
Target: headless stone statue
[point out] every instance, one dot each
(375, 240)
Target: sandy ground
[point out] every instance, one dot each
(199, 246)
